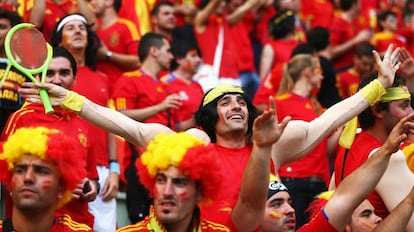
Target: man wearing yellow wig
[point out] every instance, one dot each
(40, 168)
(376, 123)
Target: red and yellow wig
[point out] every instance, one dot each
(47, 144)
(320, 201)
(190, 155)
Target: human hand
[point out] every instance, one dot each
(30, 91)
(266, 129)
(81, 192)
(399, 134)
(171, 101)
(111, 187)
(407, 63)
(387, 66)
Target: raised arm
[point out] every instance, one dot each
(301, 137)
(357, 186)
(247, 215)
(240, 11)
(201, 18)
(85, 10)
(37, 15)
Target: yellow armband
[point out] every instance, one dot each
(373, 91)
(73, 102)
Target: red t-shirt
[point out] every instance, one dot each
(94, 86)
(340, 32)
(348, 82)
(137, 90)
(245, 56)
(316, 162)
(381, 41)
(356, 156)
(232, 164)
(318, 12)
(282, 50)
(121, 37)
(207, 41)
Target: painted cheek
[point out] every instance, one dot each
(188, 64)
(366, 223)
(183, 196)
(274, 214)
(46, 184)
(14, 183)
(65, 39)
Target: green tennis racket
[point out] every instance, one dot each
(29, 53)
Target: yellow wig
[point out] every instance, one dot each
(190, 155)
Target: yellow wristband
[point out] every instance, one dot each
(373, 91)
(73, 102)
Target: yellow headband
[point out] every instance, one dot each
(282, 17)
(220, 90)
(393, 94)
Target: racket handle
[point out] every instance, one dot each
(46, 101)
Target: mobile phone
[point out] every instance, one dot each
(86, 187)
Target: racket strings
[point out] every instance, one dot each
(28, 48)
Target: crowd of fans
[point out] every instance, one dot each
(123, 72)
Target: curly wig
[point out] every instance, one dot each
(319, 202)
(192, 156)
(46, 144)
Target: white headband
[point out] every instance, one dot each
(70, 18)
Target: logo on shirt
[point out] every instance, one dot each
(114, 39)
(82, 139)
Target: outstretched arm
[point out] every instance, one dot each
(301, 137)
(135, 132)
(248, 213)
(356, 187)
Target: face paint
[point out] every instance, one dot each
(276, 215)
(188, 64)
(367, 223)
(14, 183)
(65, 39)
(46, 184)
(183, 196)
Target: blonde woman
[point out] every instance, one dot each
(309, 175)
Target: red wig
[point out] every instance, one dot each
(191, 156)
